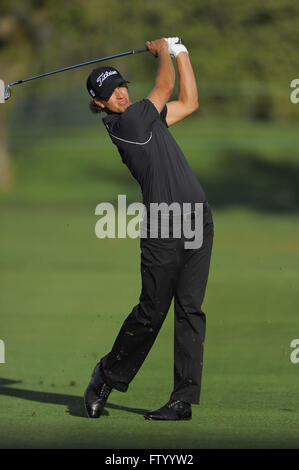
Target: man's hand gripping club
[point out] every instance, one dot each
(175, 46)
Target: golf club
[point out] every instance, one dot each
(7, 90)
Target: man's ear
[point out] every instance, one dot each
(100, 103)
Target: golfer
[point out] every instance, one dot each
(168, 269)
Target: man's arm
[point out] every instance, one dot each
(166, 74)
(187, 101)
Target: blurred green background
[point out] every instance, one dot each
(65, 293)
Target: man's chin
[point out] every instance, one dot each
(124, 107)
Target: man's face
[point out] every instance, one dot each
(118, 102)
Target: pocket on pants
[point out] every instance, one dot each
(158, 251)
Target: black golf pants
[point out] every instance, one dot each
(168, 271)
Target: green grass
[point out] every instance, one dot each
(235, 161)
(65, 294)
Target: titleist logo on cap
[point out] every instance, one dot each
(105, 75)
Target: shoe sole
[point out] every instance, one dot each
(148, 418)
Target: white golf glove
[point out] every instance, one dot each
(175, 46)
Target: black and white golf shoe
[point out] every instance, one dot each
(96, 394)
(174, 410)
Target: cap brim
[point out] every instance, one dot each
(111, 88)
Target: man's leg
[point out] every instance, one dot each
(189, 328)
(141, 327)
(190, 320)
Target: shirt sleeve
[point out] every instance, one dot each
(163, 115)
(136, 122)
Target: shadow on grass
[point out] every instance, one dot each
(74, 404)
(246, 178)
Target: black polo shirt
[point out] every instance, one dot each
(152, 155)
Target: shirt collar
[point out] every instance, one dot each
(110, 118)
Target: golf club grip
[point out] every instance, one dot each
(143, 49)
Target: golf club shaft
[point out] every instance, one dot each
(133, 51)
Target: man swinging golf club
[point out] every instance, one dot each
(168, 269)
